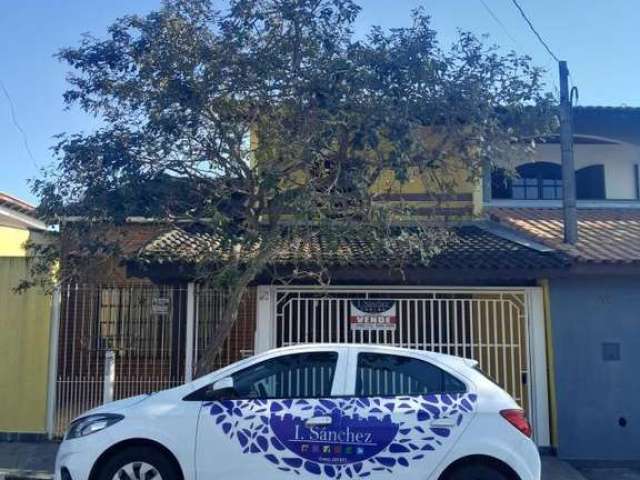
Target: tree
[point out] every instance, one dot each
(276, 119)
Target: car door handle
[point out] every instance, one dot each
(444, 423)
(318, 421)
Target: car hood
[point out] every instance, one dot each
(119, 405)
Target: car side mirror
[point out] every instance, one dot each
(222, 389)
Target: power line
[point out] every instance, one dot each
(499, 22)
(16, 124)
(533, 29)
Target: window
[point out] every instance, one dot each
(543, 181)
(392, 375)
(135, 320)
(538, 181)
(302, 375)
(590, 183)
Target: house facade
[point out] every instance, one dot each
(504, 293)
(482, 296)
(25, 324)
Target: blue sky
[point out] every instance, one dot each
(598, 38)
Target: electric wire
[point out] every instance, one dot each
(533, 29)
(16, 124)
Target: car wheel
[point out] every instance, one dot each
(477, 472)
(139, 463)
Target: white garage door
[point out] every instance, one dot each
(486, 325)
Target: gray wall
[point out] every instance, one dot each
(593, 394)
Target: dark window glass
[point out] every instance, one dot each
(551, 189)
(392, 375)
(590, 183)
(534, 181)
(500, 184)
(543, 181)
(301, 375)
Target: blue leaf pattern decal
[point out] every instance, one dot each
(249, 421)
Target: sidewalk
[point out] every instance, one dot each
(556, 469)
(33, 460)
(26, 460)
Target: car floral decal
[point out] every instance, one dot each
(363, 437)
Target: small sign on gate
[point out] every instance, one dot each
(160, 306)
(373, 315)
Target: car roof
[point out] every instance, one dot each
(451, 360)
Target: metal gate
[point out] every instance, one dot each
(485, 325)
(116, 341)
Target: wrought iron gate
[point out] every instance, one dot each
(488, 326)
(116, 341)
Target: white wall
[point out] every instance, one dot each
(618, 161)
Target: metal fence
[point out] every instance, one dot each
(116, 341)
(488, 326)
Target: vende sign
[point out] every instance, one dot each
(373, 315)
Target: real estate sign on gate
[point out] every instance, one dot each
(373, 315)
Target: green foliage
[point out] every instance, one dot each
(181, 91)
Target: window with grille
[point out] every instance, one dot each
(543, 181)
(130, 320)
(536, 189)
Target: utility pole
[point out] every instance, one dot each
(568, 167)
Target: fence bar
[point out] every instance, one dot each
(109, 376)
(54, 339)
(189, 336)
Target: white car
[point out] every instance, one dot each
(311, 412)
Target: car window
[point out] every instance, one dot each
(300, 375)
(393, 375)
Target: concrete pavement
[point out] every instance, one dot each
(35, 460)
(27, 456)
(610, 473)
(555, 469)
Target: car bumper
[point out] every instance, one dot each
(495, 440)
(78, 456)
(528, 464)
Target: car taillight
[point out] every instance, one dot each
(517, 418)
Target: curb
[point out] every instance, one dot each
(24, 475)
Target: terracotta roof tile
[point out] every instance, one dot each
(605, 235)
(471, 248)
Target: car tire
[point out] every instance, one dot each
(477, 472)
(139, 463)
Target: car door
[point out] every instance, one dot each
(282, 421)
(411, 411)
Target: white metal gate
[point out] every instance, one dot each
(116, 341)
(487, 325)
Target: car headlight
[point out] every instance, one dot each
(91, 424)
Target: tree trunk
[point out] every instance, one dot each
(230, 313)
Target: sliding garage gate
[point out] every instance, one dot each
(488, 326)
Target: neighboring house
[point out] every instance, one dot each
(24, 327)
(594, 306)
(504, 293)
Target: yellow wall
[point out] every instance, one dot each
(24, 346)
(451, 188)
(12, 241)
